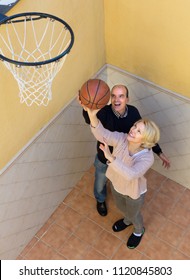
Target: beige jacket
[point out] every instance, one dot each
(126, 172)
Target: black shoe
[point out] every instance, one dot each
(134, 240)
(119, 225)
(101, 208)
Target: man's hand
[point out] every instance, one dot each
(165, 160)
(105, 148)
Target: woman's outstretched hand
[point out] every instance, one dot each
(91, 113)
(105, 148)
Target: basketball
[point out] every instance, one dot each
(94, 94)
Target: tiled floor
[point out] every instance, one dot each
(76, 231)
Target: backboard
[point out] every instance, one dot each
(6, 5)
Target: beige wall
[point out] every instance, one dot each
(150, 38)
(19, 123)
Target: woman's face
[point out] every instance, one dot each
(135, 134)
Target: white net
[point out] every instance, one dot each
(34, 40)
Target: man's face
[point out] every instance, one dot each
(119, 99)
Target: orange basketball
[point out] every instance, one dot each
(94, 94)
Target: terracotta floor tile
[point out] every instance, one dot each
(144, 257)
(177, 255)
(154, 179)
(123, 253)
(85, 184)
(159, 250)
(72, 195)
(70, 219)
(162, 204)
(58, 212)
(171, 233)
(92, 254)
(172, 189)
(56, 236)
(42, 251)
(184, 245)
(103, 221)
(88, 231)
(180, 215)
(107, 244)
(149, 195)
(153, 221)
(74, 248)
(185, 199)
(44, 228)
(82, 203)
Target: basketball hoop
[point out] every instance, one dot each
(34, 46)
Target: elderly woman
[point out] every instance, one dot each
(132, 156)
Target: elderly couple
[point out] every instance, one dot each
(125, 146)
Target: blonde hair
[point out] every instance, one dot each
(151, 134)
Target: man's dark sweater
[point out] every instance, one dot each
(111, 122)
